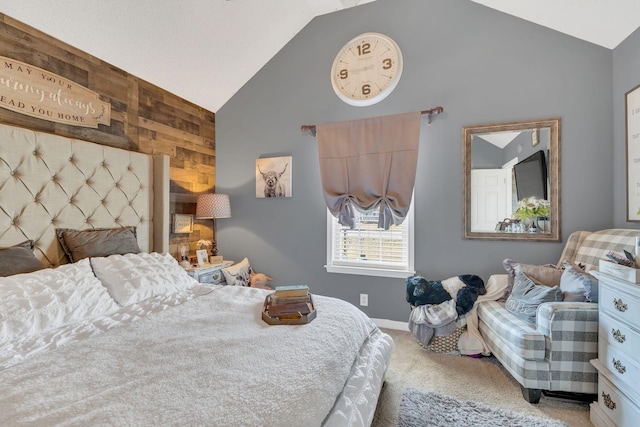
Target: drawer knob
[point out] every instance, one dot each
(620, 306)
(619, 366)
(618, 336)
(606, 399)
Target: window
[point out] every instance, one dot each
(369, 250)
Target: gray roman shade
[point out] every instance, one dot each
(369, 163)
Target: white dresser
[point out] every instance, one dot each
(618, 361)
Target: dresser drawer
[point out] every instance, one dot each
(618, 335)
(621, 365)
(615, 405)
(620, 304)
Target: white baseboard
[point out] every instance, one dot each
(391, 324)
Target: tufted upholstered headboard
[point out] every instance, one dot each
(49, 182)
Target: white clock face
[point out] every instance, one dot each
(366, 69)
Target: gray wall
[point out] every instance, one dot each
(626, 76)
(482, 66)
(485, 154)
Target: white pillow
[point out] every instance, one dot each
(37, 302)
(238, 274)
(132, 278)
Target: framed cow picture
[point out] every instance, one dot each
(273, 177)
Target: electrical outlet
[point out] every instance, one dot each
(364, 300)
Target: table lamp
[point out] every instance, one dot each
(212, 206)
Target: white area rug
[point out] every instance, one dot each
(421, 409)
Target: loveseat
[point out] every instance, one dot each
(554, 353)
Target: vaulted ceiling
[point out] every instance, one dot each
(206, 50)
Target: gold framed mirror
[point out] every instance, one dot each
(512, 181)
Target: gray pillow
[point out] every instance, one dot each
(577, 285)
(546, 274)
(19, 259)
(99, 242)
(526, 296)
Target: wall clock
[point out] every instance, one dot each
(367, 69)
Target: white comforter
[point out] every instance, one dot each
(210, 360)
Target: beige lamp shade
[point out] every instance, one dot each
(213, 205)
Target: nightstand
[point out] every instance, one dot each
(209, 273)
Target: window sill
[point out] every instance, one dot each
(363, 271)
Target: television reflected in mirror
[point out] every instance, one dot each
(531, 176)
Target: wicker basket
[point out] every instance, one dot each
(445, 344)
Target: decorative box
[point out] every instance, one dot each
(273, 316)
(619, 271)
(217, 259)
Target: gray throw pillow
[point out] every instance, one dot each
(546, 274)
(99, 242)
(526, 296)
(19, 259)
(577, 285)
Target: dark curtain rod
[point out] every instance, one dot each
(430, 112)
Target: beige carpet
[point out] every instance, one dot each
(463, 378)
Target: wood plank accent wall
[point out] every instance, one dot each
(144, 117)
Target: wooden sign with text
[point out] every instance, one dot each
(38, 93)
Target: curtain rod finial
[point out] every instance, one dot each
(309, 128)
(432, 112)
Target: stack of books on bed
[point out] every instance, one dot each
(289, 305)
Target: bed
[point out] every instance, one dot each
(109, 335)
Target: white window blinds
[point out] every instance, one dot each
(367, 249)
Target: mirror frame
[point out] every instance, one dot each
(554, 179)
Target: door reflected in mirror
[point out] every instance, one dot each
(512, 183)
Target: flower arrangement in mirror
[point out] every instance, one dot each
(532, 207)
(532, 210)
